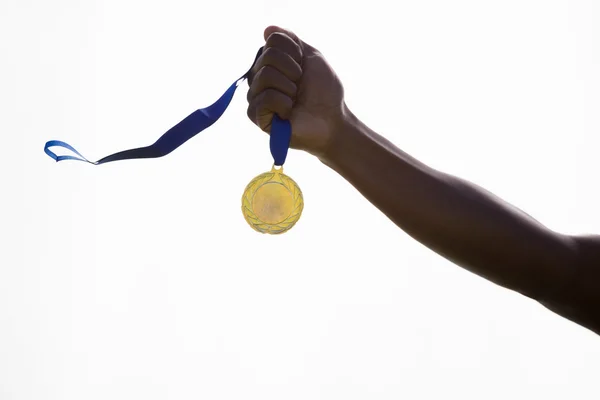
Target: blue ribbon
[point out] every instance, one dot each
(196, 122)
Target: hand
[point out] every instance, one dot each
(292, 79)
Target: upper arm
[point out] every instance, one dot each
(578, 299)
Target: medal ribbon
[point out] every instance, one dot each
(190, 126)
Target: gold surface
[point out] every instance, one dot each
(272, 202)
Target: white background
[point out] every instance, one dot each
(141, 279)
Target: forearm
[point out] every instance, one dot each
(453, 217)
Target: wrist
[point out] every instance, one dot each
(346, 134)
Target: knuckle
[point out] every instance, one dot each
(268, 96)
(251, 111)
(259, 81)
(276, 38)
(266, 100)
(270, 77)
(251, 114)
(270, 101)
(249, 94)
(265, 73)
(270, 54)
(284, 44)
(281, 104)
(265, 77)
(251, 75)
(280, 61)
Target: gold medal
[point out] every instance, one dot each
(272, 202)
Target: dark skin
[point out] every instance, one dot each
(453, 217)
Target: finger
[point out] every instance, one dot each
(273, 28)
(280, 60)
(286, 44)
(305, 47)
(271, 78)
(265, 104)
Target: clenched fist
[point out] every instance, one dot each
(293, 80)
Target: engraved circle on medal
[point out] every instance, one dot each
(272, 202)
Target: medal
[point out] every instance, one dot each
(272, 202)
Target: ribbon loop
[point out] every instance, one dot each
(279, 141)
(186, 129)
(58, 143)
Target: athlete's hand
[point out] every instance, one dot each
(293, 80)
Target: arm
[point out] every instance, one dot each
(455, 218)
(470, 226)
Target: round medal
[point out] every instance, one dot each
(272, 202)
